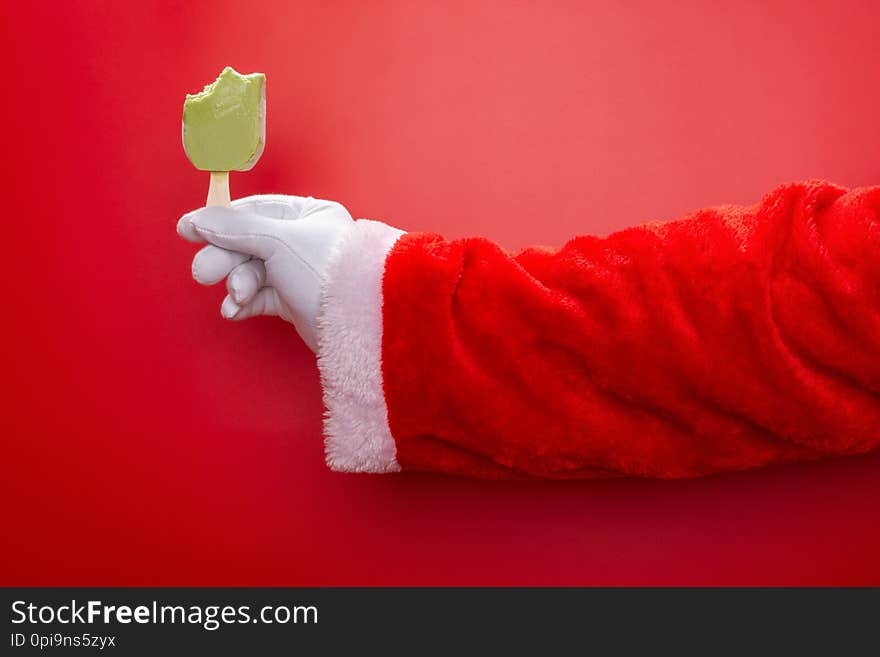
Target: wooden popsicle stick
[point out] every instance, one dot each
(218, 190)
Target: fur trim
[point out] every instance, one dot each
(356, 433)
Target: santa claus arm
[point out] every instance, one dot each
(732, 338)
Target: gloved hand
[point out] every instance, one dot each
(273, 251)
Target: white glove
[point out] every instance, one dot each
(273, 251)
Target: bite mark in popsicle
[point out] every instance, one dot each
(224, 128)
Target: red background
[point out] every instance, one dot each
(146, 441)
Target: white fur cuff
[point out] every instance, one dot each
(356, 433)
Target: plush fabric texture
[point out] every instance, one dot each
(356, 433)
(731, 338)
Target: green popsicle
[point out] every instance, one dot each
(224, 128)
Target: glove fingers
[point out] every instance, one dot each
(265, 302)
(269, 206)
(212, 264)
(246, 280)
(237, 230)
(273, 206)
(186, 230)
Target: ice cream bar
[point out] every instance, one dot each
(224, 128)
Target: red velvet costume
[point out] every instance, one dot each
(728, 339)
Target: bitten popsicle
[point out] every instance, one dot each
(224, 128)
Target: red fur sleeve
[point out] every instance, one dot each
(732, 338)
